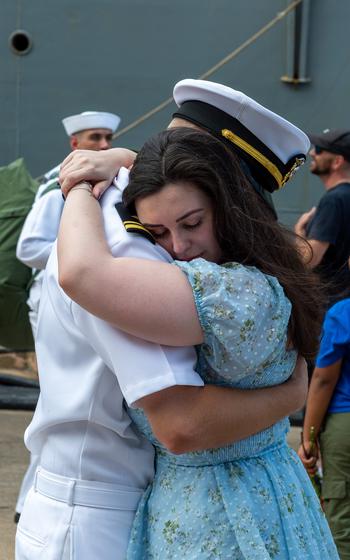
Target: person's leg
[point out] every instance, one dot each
(335, 451)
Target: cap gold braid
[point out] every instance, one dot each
(260, 158)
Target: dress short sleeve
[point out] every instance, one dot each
(244, 315)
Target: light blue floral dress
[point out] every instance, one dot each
(250, 500)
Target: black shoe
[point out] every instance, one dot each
(16, 517)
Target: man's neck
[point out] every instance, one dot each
(333, 180)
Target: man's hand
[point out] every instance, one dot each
(300, 226)
(99, 168)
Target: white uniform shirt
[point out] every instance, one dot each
(80, 426)
(38, 235)
(40, 228)
(52, 174)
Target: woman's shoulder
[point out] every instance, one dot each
(231, 277)
(244, 315)
(225, 269)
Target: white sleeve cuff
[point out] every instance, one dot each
(163, 381)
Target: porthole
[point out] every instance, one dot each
(20, 42)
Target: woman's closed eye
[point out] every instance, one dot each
(193, 226)
(161, 233)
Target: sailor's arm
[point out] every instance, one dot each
(40, 230)
(195, 418)
(184, 414)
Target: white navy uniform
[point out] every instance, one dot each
(38, 235)
(93, 464)
(34, 246)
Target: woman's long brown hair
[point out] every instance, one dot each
(244, 227)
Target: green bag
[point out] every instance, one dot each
(17, 192)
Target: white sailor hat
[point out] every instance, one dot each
(89, 120)
(272, 147)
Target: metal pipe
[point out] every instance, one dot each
(297, 45)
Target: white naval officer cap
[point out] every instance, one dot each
(272, 147)
(90, 119)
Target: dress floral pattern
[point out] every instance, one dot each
(251, 500)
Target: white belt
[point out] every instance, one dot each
(85, 492)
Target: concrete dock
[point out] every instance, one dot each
(13, 463)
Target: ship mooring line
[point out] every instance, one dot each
(279, 17)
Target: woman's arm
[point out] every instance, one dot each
(148, 299)
(196, 418)
(99, 168)
(321, 389)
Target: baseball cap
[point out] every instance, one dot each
(336, 141)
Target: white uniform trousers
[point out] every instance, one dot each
(79, 519)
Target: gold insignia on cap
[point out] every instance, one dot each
(298, 163)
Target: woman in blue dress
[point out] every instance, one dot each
(239, 291)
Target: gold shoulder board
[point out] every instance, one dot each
(132, 224)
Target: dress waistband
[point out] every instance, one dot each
(254, 446)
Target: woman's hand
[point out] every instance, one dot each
(99, 168)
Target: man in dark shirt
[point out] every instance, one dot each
(327, 226)
(327, 229)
